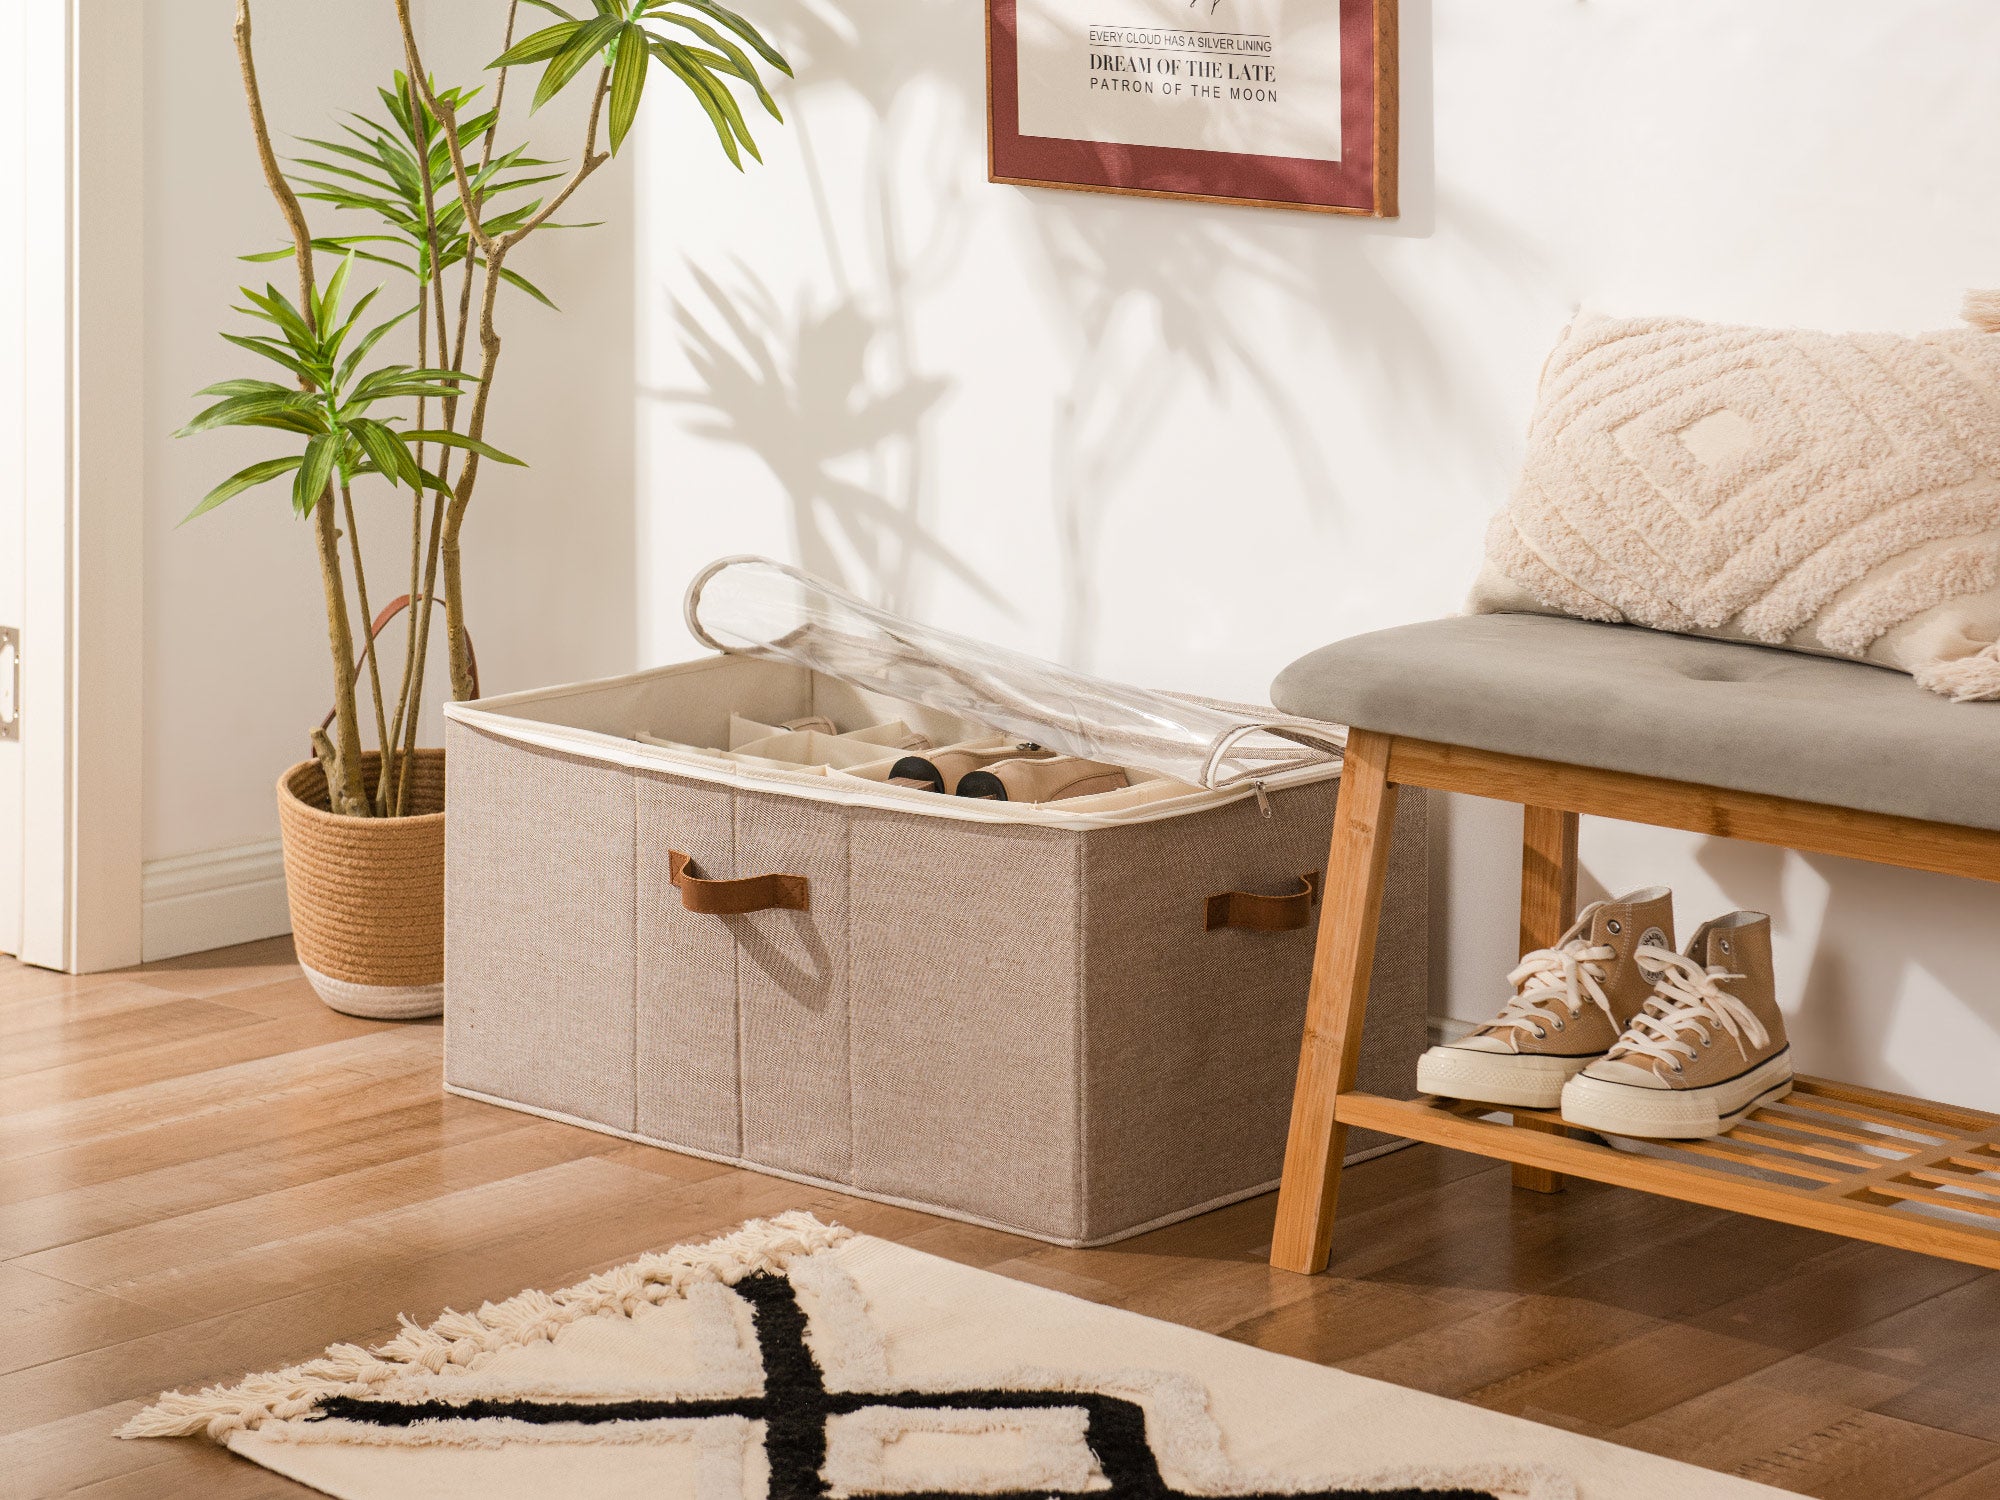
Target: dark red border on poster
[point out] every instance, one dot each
(1351, 185)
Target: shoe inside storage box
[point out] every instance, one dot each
(871, 753)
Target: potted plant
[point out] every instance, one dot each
(363, 828)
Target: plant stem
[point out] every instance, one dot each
(485, 160)
(341, 760)
(386, 761)
(411, 691)
(409, 702)
(346, 792)
(495, 249)
(413, 61)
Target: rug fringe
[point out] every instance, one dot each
(460, 1340)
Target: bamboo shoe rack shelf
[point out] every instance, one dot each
(1859, 1162)
(1900, 1171)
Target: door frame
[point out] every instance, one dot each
(82, 631)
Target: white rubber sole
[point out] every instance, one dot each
(1674, 1114)
(1527, 1082)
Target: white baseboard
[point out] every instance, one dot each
(194, 902)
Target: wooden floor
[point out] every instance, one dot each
(204, 1172)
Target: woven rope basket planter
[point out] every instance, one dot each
(367, 894)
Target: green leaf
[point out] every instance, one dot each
(701, 62)
(330, 343)
(552, 8)
(696, 81)
(737, 60)
(540, 47)
(275, 307)
(242, 411)
(272, 350)
(336, 287)
(743, 29)
(385, 447)
(628, 81)
(344, 243)
(515, 278)
(241, 480)
(400, 380)
(589, 39)
(248, 388)
(460, 440)
(367, 158)
(368, 341)
(314, 472)
(724, 100)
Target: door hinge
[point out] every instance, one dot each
(10, 682)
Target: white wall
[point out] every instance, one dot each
(236, 664)
(237, 669)
(1183, 444)
(1173, 443)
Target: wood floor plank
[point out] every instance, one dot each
(1850, 1286)
(1479, 1357)
(79, 1456)
(22, 984)
(145, 1102)
(267, 961)
(1867, 1456)
(1630, 1380)
(1346, 1318)
(46, 1220)
(63, 1457)
(21, 1018)
(342, 1096)
(46, 1319)
(1945, 1352)
(185, 1057)
(1795, 1441)
(1982, 1483)
(159, 1259)
(159, 1019)
(205, 1172)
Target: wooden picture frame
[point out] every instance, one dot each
(1357, 178)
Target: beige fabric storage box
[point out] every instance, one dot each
(1012, 1015)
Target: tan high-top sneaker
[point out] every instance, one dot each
(1571, 1003)
(1707, 1048)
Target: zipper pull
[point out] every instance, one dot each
(1263, 802)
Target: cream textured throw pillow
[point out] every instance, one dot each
(1833, 493)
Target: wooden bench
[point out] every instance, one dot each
(1496, 706)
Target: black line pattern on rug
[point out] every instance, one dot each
(796, 1406)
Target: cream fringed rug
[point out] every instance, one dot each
(795, 1360)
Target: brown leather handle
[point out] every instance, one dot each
(732, 898)
(389, 612)
(1256, 913)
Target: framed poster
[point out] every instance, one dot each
(1277, 103)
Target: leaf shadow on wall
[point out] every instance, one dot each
(1163, 312)
(1179, 309)
(825, 388)
(1883, 936)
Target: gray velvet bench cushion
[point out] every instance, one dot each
(1620, 698)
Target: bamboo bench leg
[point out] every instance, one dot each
(1331, 1047)
(1548, 906)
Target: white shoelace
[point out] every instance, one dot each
(1568, 975)
(1688, 1000)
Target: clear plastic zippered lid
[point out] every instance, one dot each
(754, 606)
